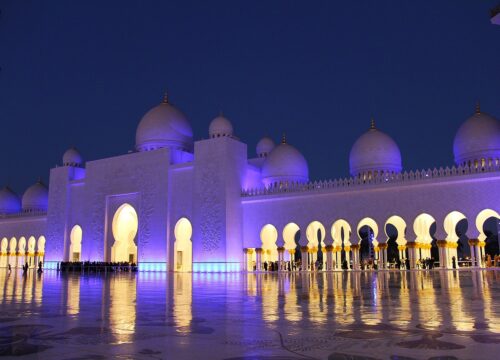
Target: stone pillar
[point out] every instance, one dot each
(481, 253)
(258, 259)
(402, 254)
(329, 258)
(304, 251)
(443, 254)
(383, 256)
(474, 254)
(245, 259)
(412, 254)
(355, 256)
(347, 249)
(281, 258)
(323, 250)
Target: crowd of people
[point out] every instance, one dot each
(96, 266)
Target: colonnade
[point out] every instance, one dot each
(17, 253)
(342, 250)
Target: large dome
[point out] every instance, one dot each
(164, 126)
(36, 198)
(374, 151)
(477, 140)
(72, 158)
(220, 126)
(9, 201)
(284, 165)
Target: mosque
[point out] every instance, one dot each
(175, 204)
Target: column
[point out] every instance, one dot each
(402, 255)
(347, 249)
(304, 251)
(355, 256)
(480, 253)
(324, 265)
(258, 259)
(383, 256)
(338, 258)
(281, 258)
(473, 254)
(245, 259)
(412, 254)
(443, 254)
(329, 257)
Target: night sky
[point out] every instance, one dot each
(83, 73)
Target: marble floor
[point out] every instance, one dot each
(355, 315)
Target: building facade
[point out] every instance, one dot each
(182, 205)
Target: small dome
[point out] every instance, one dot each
(36, 198)
(284, 165)
(265, 146)
(72, 158)
(477, 139)
(9, 201)
(220, 126)
(374, 151)
(164, 126)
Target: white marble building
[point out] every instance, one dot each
(183, 205)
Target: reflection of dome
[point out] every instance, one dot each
(220, 126)
(264, 146)
(36, 197)
(374, 151)
(477, 140)
(9, 201)
(164, 126)
(284, 165)
(72, 158)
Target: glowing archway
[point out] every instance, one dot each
(395, 248)
(481, 219)
(366, 248)
(268, 236)
(289, 236)
(75, 248)
(21, 249)
(341, 226)
(422, 228)
(4, 246)
(450, 224)
(124, 227)
(12, 252)
(183, 246)
(315, 234)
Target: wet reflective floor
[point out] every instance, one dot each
(355, 315)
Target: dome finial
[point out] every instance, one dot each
(372, 124)
(283, 139)
(165, 98)
(478, 107)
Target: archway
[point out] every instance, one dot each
(4, 246)
(124, 227)
(291, 236)
(12, 252)
(455, 225)
(31, 251)
(183, 246)
(395, 229)
(268, 236)
(40, 249)
(367, 232)
(487, 222)
(21, 250)
(424, 228)
(315, 234)
(75, 248)
(341, 234)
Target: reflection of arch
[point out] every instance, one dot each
(124, 227)
(268, 236)
(183, 246)
(75, 248)
(290, 233)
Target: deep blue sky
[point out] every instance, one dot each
(83, 73)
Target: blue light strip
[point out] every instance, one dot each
(153, 266)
